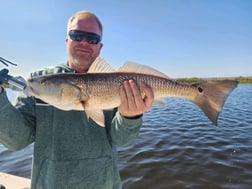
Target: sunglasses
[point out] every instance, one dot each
(78, 35)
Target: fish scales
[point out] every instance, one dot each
(100, 88)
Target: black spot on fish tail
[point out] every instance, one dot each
(200, 89)
(212, 96)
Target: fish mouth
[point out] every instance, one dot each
(29, 89)
(32, 91)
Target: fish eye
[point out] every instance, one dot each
(42, 82)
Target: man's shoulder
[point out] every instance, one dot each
(61, 68)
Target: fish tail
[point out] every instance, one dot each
(211, 96)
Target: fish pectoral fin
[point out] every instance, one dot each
(96, 115)
(139, 68)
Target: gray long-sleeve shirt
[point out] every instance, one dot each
(70, 151)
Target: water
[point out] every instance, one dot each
(179, 148)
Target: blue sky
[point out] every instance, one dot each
(182, 38)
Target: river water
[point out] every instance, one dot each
(179, 148)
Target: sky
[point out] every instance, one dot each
(181, 38)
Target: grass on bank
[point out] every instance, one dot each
(241, 80)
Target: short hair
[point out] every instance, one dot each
(82, 13)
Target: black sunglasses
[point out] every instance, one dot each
(78, 35)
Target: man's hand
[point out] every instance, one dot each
(132, 102)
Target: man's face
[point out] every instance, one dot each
(81, 54)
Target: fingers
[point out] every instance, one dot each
(123, 97)
(132, 102)
(127, 99)
(149, 96)
(129, 87)
(134, 97)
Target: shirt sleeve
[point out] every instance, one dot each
(123, 130)
(17, 123)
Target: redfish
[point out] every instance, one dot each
(98, 89)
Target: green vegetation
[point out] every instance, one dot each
(189, 80)
(244, 79)
(241, 80)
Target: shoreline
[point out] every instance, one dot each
(241, 80)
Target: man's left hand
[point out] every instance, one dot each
(132, 102)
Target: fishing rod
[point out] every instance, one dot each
(15, 83)
(7, 62)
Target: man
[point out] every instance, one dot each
(70, 151)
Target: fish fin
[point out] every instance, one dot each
(212, 96)
(139, 68)
(100, 65)
(97, 116)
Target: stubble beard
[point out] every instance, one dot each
(83, 65)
